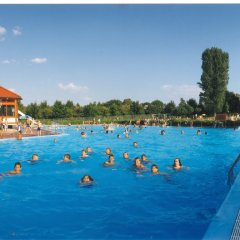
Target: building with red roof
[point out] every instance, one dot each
(9, 105)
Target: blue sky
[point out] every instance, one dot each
(89, 53)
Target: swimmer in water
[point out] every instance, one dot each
(108, 151)
(34, 157)
(17, 170)
(84, 154)
(110, 161)
(144, 158)
(126, 156)
(66, 159)
(83, 134)
(86, 179)
(135, 145)
(88, 150)
(137, 164)
(177, 165)
(162, 132)
(155, 171)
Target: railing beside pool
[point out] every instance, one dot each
(231, 176)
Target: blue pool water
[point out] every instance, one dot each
(46, 201)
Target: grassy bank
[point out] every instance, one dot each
(145, 119)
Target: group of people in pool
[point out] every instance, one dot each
(139, 163)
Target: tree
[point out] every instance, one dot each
(193, 103)
(58, 109)
(90, 110)
(184, 109)
(232, 102)
(137, 108)
(170, 108)
(214, 79)
(69, 108)
(45, 111)
(32, 110)
(155, 107)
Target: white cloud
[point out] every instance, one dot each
(72, 87)
(75, 92)
(17, 31)
(175, 92)
(39, 60)
(7, 61)
(3, 33)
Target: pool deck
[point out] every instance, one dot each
(225, 224)
(12, 134)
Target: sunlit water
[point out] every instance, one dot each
(46, 201)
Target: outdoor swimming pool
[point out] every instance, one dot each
(46, 202)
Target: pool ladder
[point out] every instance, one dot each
(231, 176)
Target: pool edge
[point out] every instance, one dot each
(222, 224)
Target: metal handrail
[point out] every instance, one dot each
(231, 177)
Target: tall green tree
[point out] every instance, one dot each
(214, 79)
(170, 108)
(45, 111)
(58, 109)
(184, 109)
(33, 110)
(155, 107)
(69, 108)
(233, 102)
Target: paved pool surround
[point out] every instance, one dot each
(223, 223)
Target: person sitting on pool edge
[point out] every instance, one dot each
(137, 164)
(86, 179)
(17, 170)
(110, 161)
